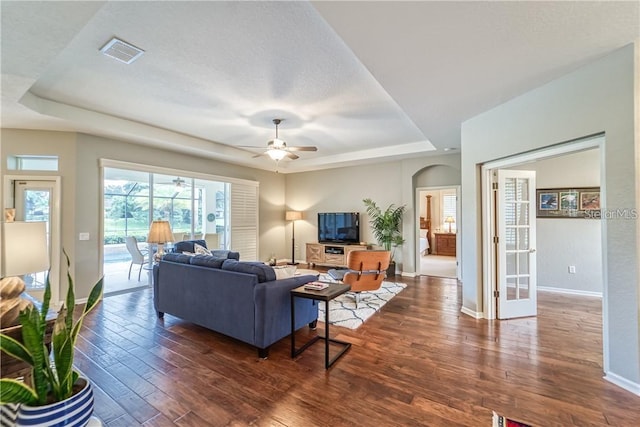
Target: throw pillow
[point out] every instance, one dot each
(200, 250)
(284, 271)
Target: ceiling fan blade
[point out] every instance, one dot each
(302, 148)
(250, 146)
(259, 155)
(292, 156)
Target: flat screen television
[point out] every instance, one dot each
(339, 227)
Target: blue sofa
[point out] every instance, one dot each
(189, 246)
(242, 300)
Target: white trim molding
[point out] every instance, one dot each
(570, 291)
(474, 314)
(622, 382)
(409, 274)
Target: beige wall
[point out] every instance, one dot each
(343, 189)
(79, 157)
(599, 97)
(561, 242)
(63, 145)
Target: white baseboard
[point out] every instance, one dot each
(474, 314)
(570, 291)
(623, 383)
(407, 274)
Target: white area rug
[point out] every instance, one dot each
(343, 312)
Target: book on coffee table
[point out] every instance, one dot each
(316, 286)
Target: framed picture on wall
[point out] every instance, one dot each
(567, 202)
(589, 200)
(548, 201)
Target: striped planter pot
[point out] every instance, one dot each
(73, 412)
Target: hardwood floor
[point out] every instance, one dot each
(417, 362)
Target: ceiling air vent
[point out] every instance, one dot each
(121, 50)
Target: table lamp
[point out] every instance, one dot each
(293, 216)
(160, 233)
(449, 220)
(24, 250)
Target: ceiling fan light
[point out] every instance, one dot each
(177, 183)
(278, 143)
(277, 154)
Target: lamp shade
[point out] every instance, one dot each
(160, 232)
(24, 248)
(450, 220)
(293, 215)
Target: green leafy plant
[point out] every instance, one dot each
(53, 376)
(386, 225)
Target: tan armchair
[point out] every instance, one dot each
(366, 271)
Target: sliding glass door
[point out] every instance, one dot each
(195, 208)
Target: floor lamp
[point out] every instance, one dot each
(293, 216)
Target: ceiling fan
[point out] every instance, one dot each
(178, 182)
(277, 149)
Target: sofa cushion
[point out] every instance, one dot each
(177, 257)
(207, 261)
(187, 245)
(263, 272)
(223, 253)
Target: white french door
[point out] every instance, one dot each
(37, 200)
(516, 233)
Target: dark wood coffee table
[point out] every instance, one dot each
(326, 295)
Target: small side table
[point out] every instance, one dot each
(326, 295)
(12, 367)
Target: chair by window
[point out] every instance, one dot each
(366, 271)
(179, 236)
(137, 255)
(212, 241)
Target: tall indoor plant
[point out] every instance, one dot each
(53, 378)
(386, 226)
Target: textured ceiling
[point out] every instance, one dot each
(362, 81)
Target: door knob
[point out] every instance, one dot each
(532, 250)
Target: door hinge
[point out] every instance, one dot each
(494, 185)
(496, 294)
(495, 239)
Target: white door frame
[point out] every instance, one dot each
(55, 221)
(458, 227)
(488, 214)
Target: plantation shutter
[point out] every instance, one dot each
(449, 209)
(449, 205)
(244, 220)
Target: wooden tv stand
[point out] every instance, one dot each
(333, 254)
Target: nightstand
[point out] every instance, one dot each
(445, 244)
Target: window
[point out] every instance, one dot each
(448, 210)
(33, 163)
(195, 207)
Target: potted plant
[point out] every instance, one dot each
(386, 227)
(55, 386)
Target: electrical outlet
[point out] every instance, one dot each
(572, 269)
(83, 236)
